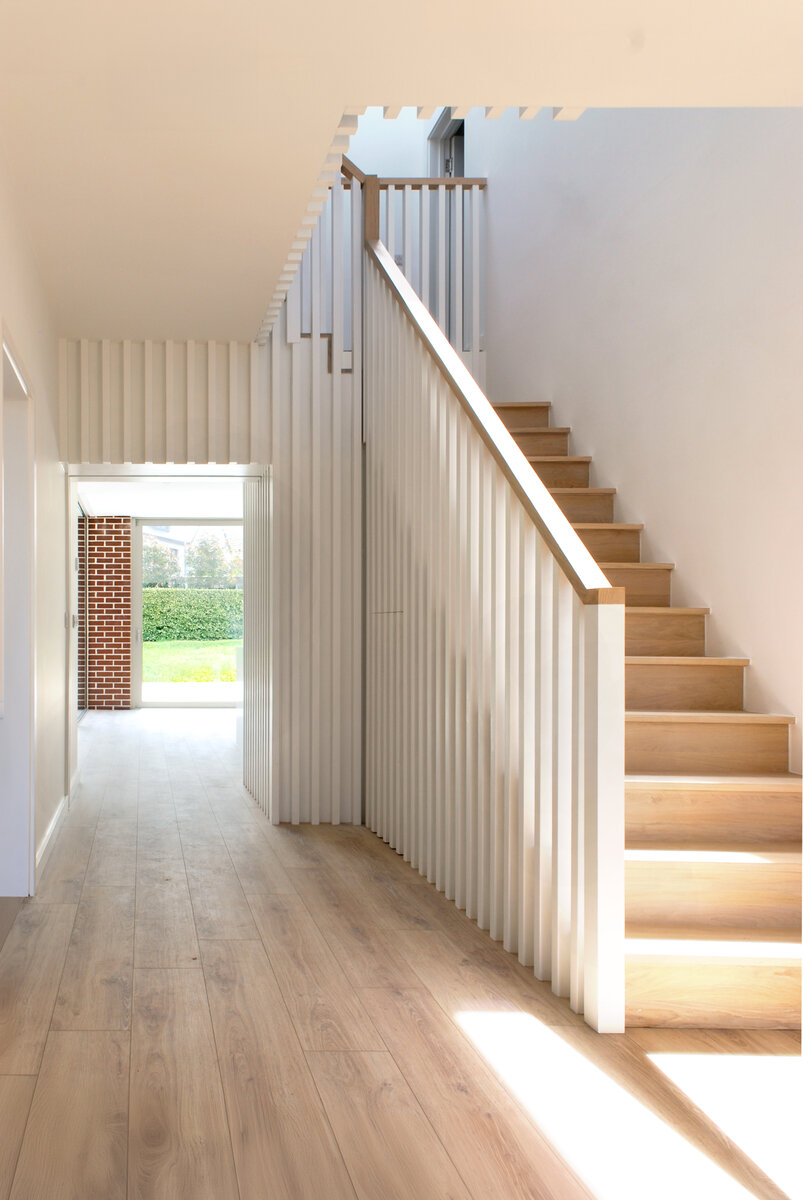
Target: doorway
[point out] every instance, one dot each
(187, 611)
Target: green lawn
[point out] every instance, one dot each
(190, 662)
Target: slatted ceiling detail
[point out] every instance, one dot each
(157, 402)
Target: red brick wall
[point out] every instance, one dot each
(109, 612)
(82, 663)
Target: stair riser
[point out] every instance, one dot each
(524, 416)
(706, 749)
(580, 507)
(672, 896)
(563, 474)
(654, 633)
(612, 545)
(718, 995)
(649, 587)
(677, 818)
(667, 687)
(543, 441)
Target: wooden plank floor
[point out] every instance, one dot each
(200, 1006)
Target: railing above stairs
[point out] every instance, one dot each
(494, 663)
(494, 646)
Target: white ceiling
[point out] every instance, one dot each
(174, 499)
(163, 151)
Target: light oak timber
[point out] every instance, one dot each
(663, 630)
(164, 926)
(63, 877)
(219, 904)
(534, 415)
(95, 989)
(16, 1093)
(647, 584)
(158, 840)
(480, 976)
(295, 846)
(179, 1146)
(585, 504)
(762, 1042)
(611, 542)
(376, 1119)
(31, 962)
(283, 1143)
(623, 1061)
(561, 470)
(257, 866)
(361, 946)
(324, 1007)
(481, 1127)
(690, 990)
(113, 861)
(548, 440)
(688, 683)
(75, 1140)
(666, 891)
(725, 811)
(9, 907)
(706, 743)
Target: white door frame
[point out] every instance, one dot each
(19, 726)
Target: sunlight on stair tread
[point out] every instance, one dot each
(607, 1136)
(711, 949)
(713, 856)
(757, 1100)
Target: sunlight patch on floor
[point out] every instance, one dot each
(619, 1148)
(757, 1100)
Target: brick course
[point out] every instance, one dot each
(109, 612)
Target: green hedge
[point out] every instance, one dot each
(191, 614)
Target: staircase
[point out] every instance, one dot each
(713, 816)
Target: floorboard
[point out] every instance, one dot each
(303, 1017)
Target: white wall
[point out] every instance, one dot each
(391, 148)
(644, 273)
(26, 319)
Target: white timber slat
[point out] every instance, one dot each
(316, 548)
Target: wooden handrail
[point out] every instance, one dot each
(351, 170)
(581, 570)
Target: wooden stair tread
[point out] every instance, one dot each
(558, 458)
(638, 931)
(513, 405)
(697, 949)
(514, 429)
(668, 660)
(709, 718)
(580, 491)
(664, 610)
(586, 525)
(702, 783)
(745, 854)
(637, 566)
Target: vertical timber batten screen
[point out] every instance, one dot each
(495, 685)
